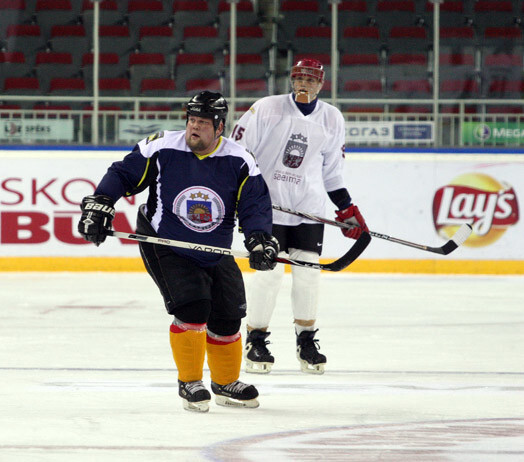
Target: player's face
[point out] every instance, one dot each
(307, 84)
(200, 135)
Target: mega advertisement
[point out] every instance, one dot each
(492, 133)
(422, 198)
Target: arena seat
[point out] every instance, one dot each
(251, 87)
(249, 66)
(394, 13)
(12, 12)
(493, 13)
(192, 13)
(365, 39)
(359, 66)
(246, 16)
(193, 86)
(201, 39)
(251, 39)
(157, 87)
(49, 65)
(117, 39)
(22, 86)
(352, 13)
(456, 88)
(315, 39)
(73, 86)
(189, 66)
(13, 64)
(119, 86)
(409, 89)
(53, 12)
(297, 13)
(154, 38)
(451, 13)
(25, 37)
(108, 13)
(146, 65)
(109, 65)
(70, 38)
(363, 88)
(402, 39)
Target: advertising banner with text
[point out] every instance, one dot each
(421, 197)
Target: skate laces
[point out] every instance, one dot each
(260, 342)
(193, 387)
(307, 342)
(235, 387)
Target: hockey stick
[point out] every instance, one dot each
(456, 240)
(337, 265)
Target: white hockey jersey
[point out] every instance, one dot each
(300, 157)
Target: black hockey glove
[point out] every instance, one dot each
(97, 215)
(263, 250)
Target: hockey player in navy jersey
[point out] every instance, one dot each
(299, 144)
(198, 182)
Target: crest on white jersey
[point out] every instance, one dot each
(199, 208)
(295, 150)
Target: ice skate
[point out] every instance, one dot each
(258, 358)
(194, 396)
(235, 394)
(311, 361)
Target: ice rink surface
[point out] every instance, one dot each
(420, 368)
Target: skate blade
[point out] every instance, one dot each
(311, 368)
(230, 402)
(201, 406)
(258, 368)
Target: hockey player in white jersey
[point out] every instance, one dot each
(299, 144)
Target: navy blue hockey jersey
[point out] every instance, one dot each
(193, 198)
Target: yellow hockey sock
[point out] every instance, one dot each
(224, 357)
(188, 343)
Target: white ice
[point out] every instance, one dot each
(420, 368)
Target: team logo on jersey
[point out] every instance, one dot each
(295, 151)
(154, 137)
(199, 208)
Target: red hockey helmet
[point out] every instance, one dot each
(308, 68)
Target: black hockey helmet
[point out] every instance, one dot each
(209, 105)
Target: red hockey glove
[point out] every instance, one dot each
(352, 216)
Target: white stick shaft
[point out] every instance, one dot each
(181, 244)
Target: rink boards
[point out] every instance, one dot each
(417, 196)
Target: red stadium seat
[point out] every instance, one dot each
(196, 85)
(157, 87)
(22, 85)
(67, 86)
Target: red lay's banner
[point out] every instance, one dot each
(488, 205)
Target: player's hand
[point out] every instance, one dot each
(352, 216)
(97, 215)
(263, 251)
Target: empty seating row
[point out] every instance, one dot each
(392, 13)
(317, 39)
(118, 39)
(133, 13)
(136, 67)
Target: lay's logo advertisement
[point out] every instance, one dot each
(489, 205)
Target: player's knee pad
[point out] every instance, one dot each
(196, 312)
(223, 327)
(305, 285)
(224, 356)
